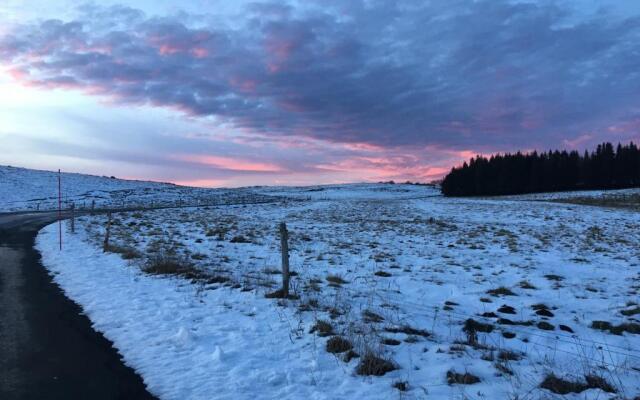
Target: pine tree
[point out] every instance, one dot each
(604, 168)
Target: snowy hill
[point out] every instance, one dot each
(24, 189)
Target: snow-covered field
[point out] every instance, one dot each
(574, 194)
(506, 291)
(24, 189)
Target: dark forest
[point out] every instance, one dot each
(607, 167)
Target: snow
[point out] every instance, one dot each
(219, 343)
(361, 191)
(574, 194)
(406, 253)
(24, 189)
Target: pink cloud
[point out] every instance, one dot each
(465, 154)
(244, 85)
(626, 127)
(167, 49)
(399, 167)
(580, 140)
(364, 147)
(202, 182)
(18, 74)
(200, 52)
(229, 163)
(278, 51)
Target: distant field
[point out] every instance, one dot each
(631, 201)
(444, 298)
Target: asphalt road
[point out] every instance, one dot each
(48, 349)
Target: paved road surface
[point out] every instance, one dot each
(48, 349)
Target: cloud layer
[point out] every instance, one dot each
(444, 75)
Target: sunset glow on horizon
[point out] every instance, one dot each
(216, 93)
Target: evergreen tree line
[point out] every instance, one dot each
(604, 168)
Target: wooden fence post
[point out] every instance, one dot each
(284, 246)
(105, 247)
(73, 218)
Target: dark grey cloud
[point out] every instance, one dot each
(458, 74)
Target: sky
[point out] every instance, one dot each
(236, 93)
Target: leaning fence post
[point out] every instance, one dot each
(105, 247)
(284, 246)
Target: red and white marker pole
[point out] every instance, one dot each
(59, 209)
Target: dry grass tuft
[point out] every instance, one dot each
(501, 291)
(164, 264)
(370, 316)
(336, 280)
(338, 344)
(564, 386)
(471, 325)
(406, 329)
(630, 327)
(461, 379)
(126, 252)
(402, 386)
(323, 328)
(371, 364)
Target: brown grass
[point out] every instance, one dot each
(461, 379)
(564, 386)
(126, 252)
(614, 201)
(501, 291)
(472, 325)
(370, 316)
(374, 365)
(336, 280)
(164, 264)
(338, 344)
(630, 327)
(323, 328)
(406, 329)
